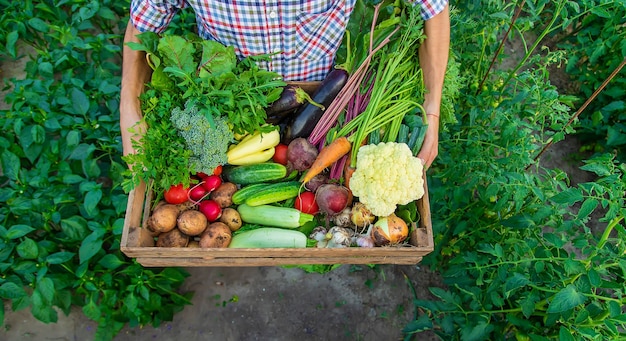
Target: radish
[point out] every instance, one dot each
(211, 182)
(332, 199)
(197, 192)
(211, 209)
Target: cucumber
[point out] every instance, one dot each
(274, 193)
(417, 138)
(403, 133)
(264, 237)
(256, 173)
(244, 193)
(274, 216)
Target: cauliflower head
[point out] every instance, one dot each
(387, 174)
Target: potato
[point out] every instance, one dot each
(231, 217)
(192, 222)
(173, 238)
(163, 218)
(193, 244)
(216, 235)
(223, 195)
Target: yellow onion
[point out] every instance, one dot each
(360, 215)
(389, 230)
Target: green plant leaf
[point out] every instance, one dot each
(80, 101)
(178, 52)
(588, 206)
(92, 310)
(12, 38)
(41, 309)
(10, 165)
(92, 199)
(477, 332)
(568, 196)
(45, 286)
(422, 323)
(60, 257)
(27, 249)
(515, 282)
(38, 24)
(111, 261)
(90, 246)
(566, 299)
(216, 59)
(17, 231)
(11, 291)
(565, 334)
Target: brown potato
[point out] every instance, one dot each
(231, 217)
(173, 238)
(163, 218)
(216, 235)
(223, 195)
(193, 244)
(191, 222)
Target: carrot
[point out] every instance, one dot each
(347, 174)
(327, 156)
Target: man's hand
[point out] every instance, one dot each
(430, 146)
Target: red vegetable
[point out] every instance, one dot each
(301, 154)
(197, 192)
(333, 198)
(211, 182)
(305, 203)
(211, 209)
(217, 170)
(280, 154)
(175, 195)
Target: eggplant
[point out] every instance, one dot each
(289, 101)
(304, 120)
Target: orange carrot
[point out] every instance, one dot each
(347, 174)
(327, 156)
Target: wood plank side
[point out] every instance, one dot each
(269, 261)
(178, 252)
(133, 235)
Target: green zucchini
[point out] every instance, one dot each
(256, 173)
(403, 133)
(274, 193)
(374, 137)
(265, 237)
(417, 138)
(245, 192)
(273, 216)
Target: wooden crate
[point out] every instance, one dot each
(137, 243)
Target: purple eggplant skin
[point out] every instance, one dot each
(305, 119)
(288, 102)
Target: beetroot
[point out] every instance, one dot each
(332, 198)
(318, 180)
(301, 154)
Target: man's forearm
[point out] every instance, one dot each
(135, 73)
(433, 56)
(135, 69)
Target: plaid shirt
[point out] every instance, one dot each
(302, 35)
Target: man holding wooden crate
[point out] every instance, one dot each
(302, 35)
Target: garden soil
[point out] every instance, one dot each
(276, 303)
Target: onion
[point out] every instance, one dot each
(360, 215)
(389, 230)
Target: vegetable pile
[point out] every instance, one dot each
(239, 158)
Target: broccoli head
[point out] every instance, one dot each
(206, 136)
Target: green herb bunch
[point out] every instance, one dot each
(188, 69)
